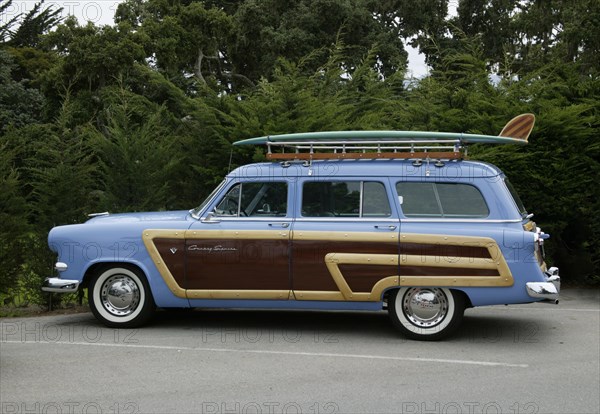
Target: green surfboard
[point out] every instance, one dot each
(395, 136)
(516, 131)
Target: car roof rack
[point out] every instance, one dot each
(386, 144)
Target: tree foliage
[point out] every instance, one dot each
(35, 23)
(141, 115)
(19, 104)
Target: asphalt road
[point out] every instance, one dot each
(516, 359)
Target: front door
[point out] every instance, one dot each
(241, 249)
(344, 241)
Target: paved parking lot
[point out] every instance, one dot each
(514, 359)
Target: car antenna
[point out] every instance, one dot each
(230, 158)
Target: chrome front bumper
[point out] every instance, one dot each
(548, 290)
(58, 285)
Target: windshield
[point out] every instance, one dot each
(196, 211)
(516, 198)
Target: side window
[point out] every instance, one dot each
(418, 199)
(254, 199)
(345, 199)
(449, 200)
(375, 200)
(516, 198)
(461, 200)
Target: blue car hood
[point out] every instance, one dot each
(138, 217)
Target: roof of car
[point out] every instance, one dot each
(452, 170)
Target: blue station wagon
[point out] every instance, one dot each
(361, 220)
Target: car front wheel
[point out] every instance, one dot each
(426, 313)
(120, 297)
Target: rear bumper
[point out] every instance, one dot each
(58, 285)
(548, 290)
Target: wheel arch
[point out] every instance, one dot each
(101, 266)
(386, 294)
(467, 299)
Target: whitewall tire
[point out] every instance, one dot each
(426, 313)
(119, 296)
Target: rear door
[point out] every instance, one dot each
(344, 240)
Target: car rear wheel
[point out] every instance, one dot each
(426, 313)
(120, 297)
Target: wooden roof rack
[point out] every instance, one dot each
(386, 144)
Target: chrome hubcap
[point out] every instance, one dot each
(425, 307)
(120, 295)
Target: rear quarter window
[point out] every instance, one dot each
(516, 198)
(441, 200)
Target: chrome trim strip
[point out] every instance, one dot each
(363, 219)
(57, 285)
(360, 198)
(442, 220)
(305, 219)
(347, 219)
(234, 219)
(104, 213)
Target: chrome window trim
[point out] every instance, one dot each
(216, 201)
(360, 198)
(197, 212)
(465, 220)
(306, 220)
(505, 185)
(251, 219)
(442, 215)
(348, 219)
(366, 220)
(352, 179)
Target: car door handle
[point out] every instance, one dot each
(284, 225)
(390, 228)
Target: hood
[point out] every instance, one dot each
(138, 217)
